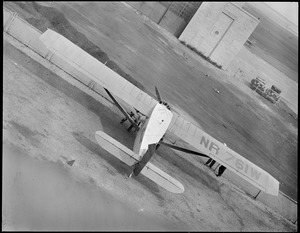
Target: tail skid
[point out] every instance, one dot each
(129, 157)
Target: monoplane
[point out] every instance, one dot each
(159, 119)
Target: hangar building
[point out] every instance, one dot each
(218, 30)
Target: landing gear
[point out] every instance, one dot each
(123, 120)
(132, 171)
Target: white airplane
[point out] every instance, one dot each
(159, 120)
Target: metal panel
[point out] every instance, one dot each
(135, 91)
(179, 121)
(128, 87)
(28, 35)
(7, 16)
(192, 129)
(186, 125)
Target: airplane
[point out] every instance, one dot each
(159, 119)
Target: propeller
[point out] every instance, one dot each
(160, 100)
(183, 149)
(171, 145)
(157, 94)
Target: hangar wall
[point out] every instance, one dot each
(29, 36)
(219, 30)
(172, 16)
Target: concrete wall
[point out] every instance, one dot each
(160, 14)
(28, 35)
(219, 30)
(172, 23)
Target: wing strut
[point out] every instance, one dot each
(123, 110)
(151, 150)
(183, 149)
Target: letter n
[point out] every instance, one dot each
(205, 142)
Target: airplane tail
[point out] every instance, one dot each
(129, 157)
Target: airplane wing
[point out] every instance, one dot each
(88, 67)
(122, 110)
(127, 156)
(206, 144)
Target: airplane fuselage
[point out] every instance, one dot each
(152, 129)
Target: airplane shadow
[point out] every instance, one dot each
(109, 119)
(121, 167)
(152, 187)
(96, 149)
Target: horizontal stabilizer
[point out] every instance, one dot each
(129, 157)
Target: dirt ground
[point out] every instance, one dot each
(51, 120)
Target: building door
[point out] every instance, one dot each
(218, 31)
